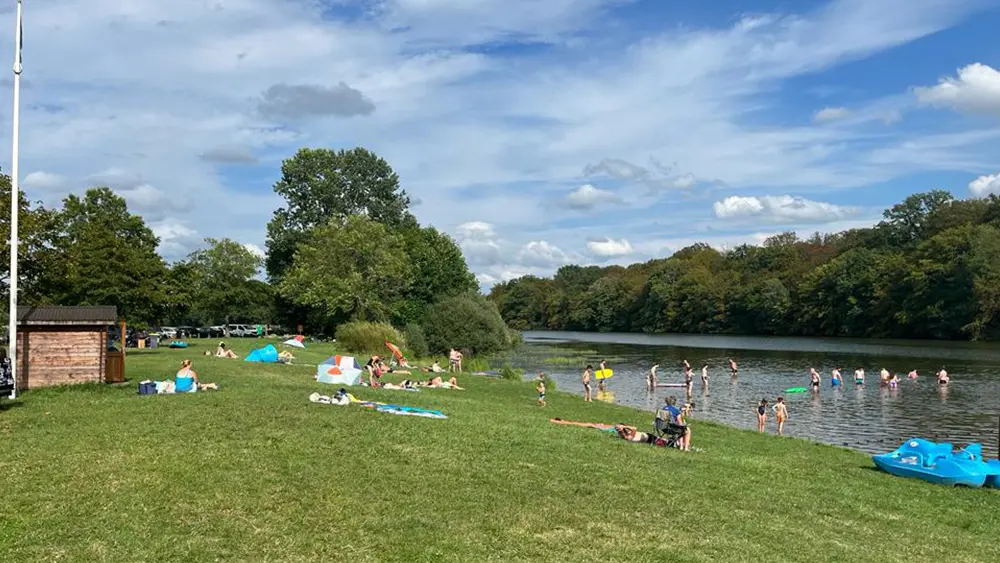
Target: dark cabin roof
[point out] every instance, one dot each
(67, 316)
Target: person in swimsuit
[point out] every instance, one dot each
(704, 375)
(651, 378)
(781, 412)
(883, 376)
(893, 381)
(859, 376)
(688, 377)
(835, 378)
(586, 383)
(912, 374)
(942, 377)
(632, 434)
(814, 379)
(600, 382)
(761, 415)
(732, 367)
(541, 390)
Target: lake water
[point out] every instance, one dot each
(871, 417)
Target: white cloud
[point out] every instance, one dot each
(255, 250)
(154, 203)
(610, 248)
(41, 180)
(985, 185)
(177, 240)
(588, 196)
(828, 114)
(976, 89)
(685, 181)
(541, 254)
(779, 209)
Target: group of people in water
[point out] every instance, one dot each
(886, 378)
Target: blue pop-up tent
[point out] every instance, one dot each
(268, 355)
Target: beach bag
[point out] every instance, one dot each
(147, 387)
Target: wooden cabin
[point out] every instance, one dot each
(62, 345)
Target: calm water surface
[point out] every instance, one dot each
(869, 417)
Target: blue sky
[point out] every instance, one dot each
(535, 133)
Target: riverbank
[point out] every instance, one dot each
(255, 472)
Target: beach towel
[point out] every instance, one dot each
(595, 425)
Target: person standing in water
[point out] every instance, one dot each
(688, 378)
(651, 378)
(835, 378)
(782, 413)
(761, 415)
(859, 376)
(704, 375)
(601, 380)
(942, 377)
(587, 373)
(912, 374)
(883, 376)
(814, 381)
(732, 367)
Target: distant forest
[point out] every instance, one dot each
(930, 269)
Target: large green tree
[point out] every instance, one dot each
(40, 265)
(438, 270)
(350, 269)
(224, 287)
(110, 257)
(320, 185)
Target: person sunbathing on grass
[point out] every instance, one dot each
(632, 434)
(223, 352)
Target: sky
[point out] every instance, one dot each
(535, 133)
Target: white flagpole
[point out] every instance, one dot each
(14, 201)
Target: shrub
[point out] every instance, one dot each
(510, 373)
(465, 322)
(362, 337)
(416, 342)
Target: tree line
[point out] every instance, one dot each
(929, 269)
(344, 247)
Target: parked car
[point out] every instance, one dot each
(168, 332)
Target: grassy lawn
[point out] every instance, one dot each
(255, 472)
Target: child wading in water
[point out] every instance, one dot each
(761, 415)
(782, 413)
(586, 383)
(541, 390)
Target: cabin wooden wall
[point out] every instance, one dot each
(60, 355)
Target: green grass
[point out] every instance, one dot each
(255, 472)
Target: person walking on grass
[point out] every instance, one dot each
(541, 389)
(761, 415)
(587, 373)
(781, 412)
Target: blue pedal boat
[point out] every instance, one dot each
(939, 463)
